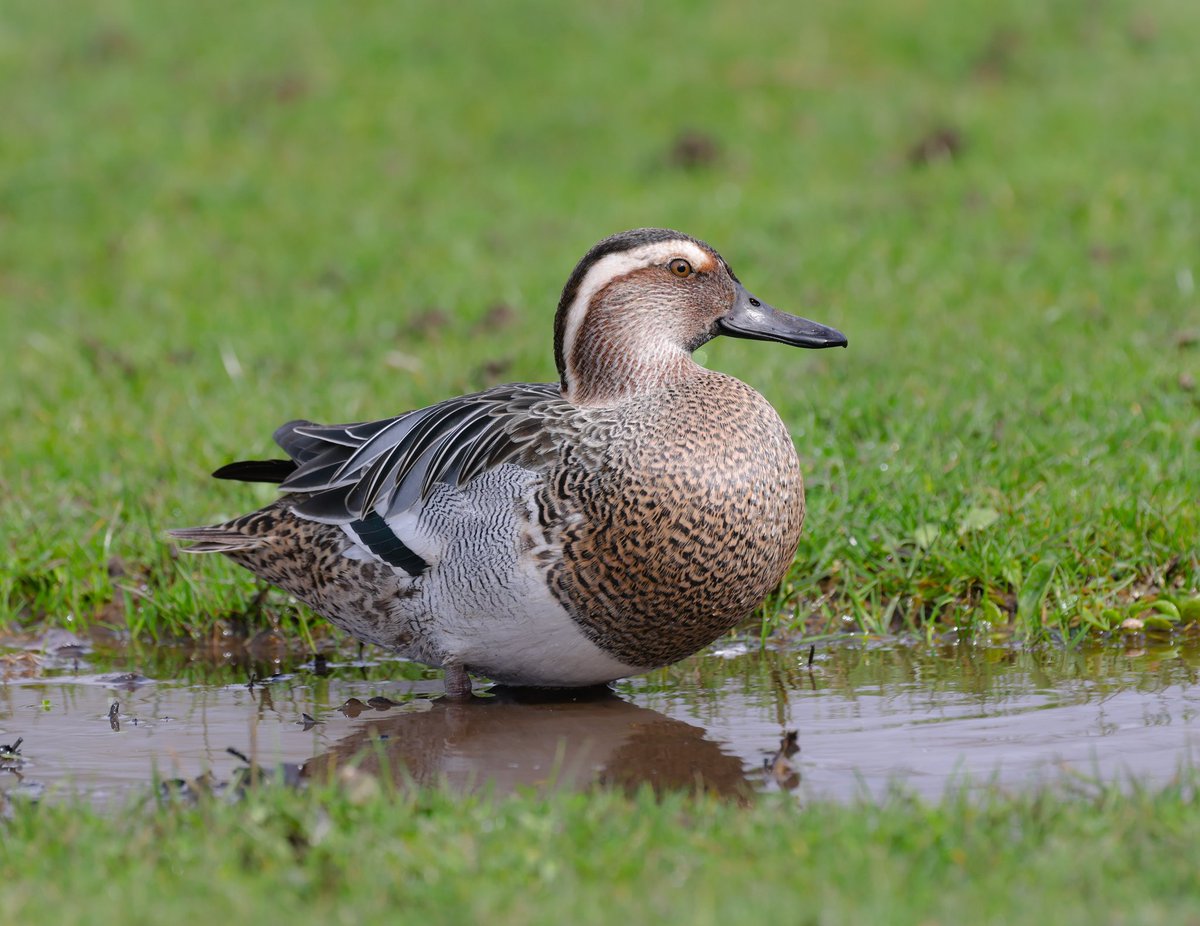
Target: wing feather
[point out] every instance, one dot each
(350, 470)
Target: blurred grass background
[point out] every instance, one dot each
(216, 217)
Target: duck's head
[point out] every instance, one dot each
(639, 303)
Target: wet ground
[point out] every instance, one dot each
(862, 716)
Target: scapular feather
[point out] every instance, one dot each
(348, 471)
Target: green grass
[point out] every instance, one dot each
(323, 856)
(217, 217)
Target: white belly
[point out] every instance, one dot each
(530, 640)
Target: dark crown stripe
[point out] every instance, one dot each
(381, 540)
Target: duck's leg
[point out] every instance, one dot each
(458, 683)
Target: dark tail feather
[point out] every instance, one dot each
(272, 471)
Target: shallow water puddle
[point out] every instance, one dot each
(865, 716)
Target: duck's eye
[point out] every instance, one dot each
(680, 267)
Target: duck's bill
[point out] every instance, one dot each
(752, 318)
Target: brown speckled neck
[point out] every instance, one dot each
(637, 333)
(620, 352)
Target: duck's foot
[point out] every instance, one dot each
(458, 684)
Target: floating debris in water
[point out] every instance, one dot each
(190, 790)
(11, 752)
(415, 706)
(353, 706)
(288, 773)
(254, 680)
(781, 770)
(127, 680)
(308, 721)
(114, 716)
(207, 785)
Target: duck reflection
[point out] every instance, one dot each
(520, 738)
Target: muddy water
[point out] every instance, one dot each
(865, 715)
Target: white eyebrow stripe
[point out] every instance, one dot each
(612, 266)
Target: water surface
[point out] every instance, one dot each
(865, 715)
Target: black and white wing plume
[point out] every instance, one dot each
(349, 471)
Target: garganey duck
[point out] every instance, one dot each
(553, 534)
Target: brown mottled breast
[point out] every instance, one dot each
(690, 519)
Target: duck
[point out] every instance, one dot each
(552, 535)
